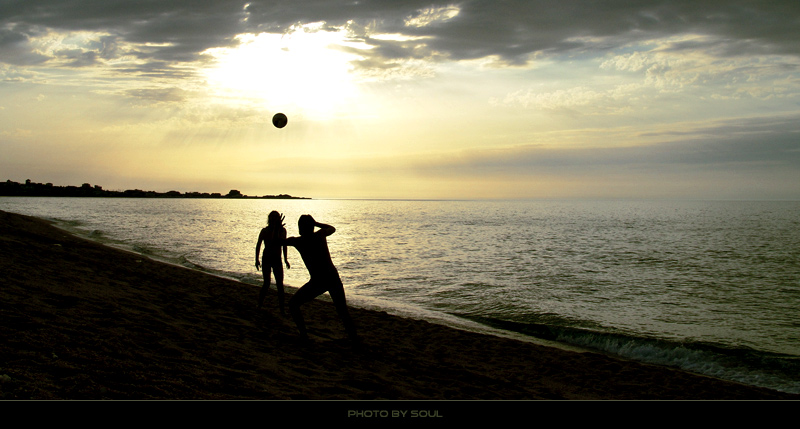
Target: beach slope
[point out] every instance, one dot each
(79, 320)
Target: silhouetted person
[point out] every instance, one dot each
(273, 235)
(313, 248)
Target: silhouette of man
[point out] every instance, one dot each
(313, 248)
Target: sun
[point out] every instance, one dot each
(304, 70)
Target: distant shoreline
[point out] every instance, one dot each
(32, 189)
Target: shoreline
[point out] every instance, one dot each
(450, 321)
(86, 321)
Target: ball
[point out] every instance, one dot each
(279, 120)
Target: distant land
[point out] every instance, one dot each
(31, 189)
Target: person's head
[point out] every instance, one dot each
(306, 225)
(274, 218)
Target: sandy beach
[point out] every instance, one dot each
(79, 320)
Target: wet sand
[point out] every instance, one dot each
(79, 320)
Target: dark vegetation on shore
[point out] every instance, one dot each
(32, 189)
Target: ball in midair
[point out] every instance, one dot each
(279, 120)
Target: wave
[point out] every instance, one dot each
(743, 365)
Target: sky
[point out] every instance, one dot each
(404, 99)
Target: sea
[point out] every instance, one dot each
(710, 287)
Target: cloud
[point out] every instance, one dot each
(158, 95)
(16, 48)
(645, 76)
(180, 30)
(516, 29)
(10, 73)
(588, 100)
(666, 71)
(731, 144)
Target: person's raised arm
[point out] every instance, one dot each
(324, 229)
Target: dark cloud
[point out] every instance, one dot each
(511, 30)
(78, 58)
(182, 29)
(739, 144)
(15, 48)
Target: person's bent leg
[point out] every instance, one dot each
(303, 295)
(336, 292)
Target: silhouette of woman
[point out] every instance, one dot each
(273, 236)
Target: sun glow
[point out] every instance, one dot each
(304, 70)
